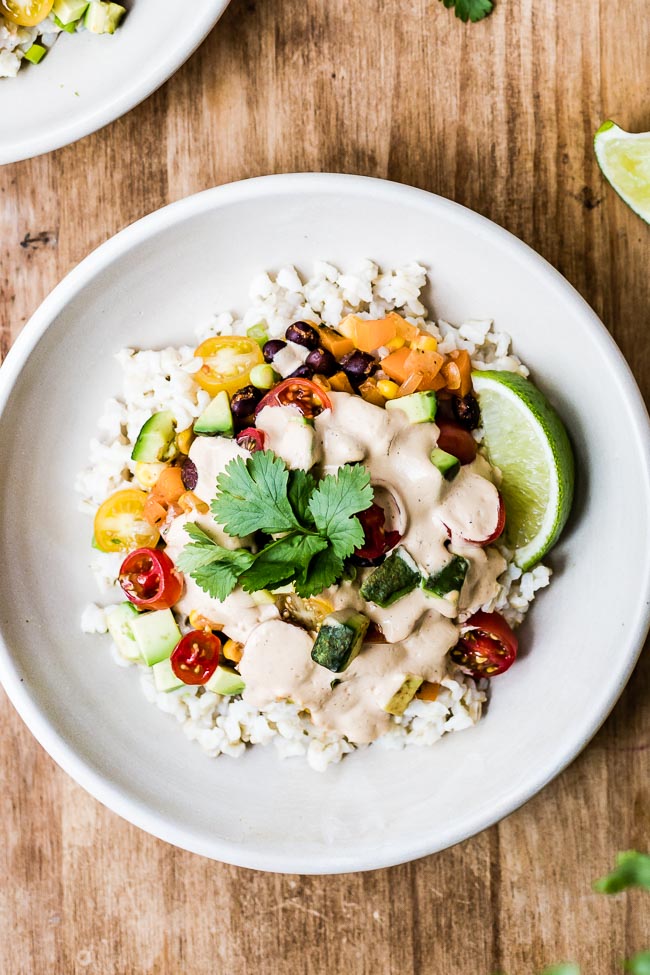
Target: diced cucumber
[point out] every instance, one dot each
(156, 635)
(216, 417)
(102, 17)
(68, 28)
(68, 11)
(401, 699)
(225, 681)
(157, 439)
(447, 464)
(164, 677)
(339, 639)
(35, 53)
(259, 334)
(394, 578)
(119, 620)
(448, 581)
(419, 407)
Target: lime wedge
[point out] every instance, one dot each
(527, 441)
(624, 158)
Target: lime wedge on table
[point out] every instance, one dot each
(526, 440)
(624, 158)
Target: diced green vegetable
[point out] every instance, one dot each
(157, 439)
(102, 17)
(119, 620)
(263, 376)
(216, 418)
(164, 677)
(339, 639)
(156, 635)
(419, 407)
(68, 28)
(259, 334)
(35, 53)
(226, 681)
(448, 582)
(401, 699)
(69, 11)
(447, 464)
(394, 578)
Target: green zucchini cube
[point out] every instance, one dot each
(448, 581)
(339, 639)
(397, 576)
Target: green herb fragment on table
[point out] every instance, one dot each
(632, 870)
(473, 10)
(639, 964)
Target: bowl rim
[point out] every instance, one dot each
(110, 109)
(590, 721)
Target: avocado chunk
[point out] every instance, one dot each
(216, 418)
(156, 440)
(69, 11)
(119, 620)
(419, 407)
(401, 699)
(156, 635)
(102, 17)
(448, 581)
(447, 464)
(225, 681)
(339, 639)
(394, 578)
(164, 677)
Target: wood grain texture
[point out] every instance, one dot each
(498, 116)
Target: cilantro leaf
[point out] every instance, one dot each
(200, 552)
(640, 964)
(278, 562)
(301, 487)
(632, 870)
(219, 578)
(334, 503)
(473, 10)
(252, 496)
(321, 573)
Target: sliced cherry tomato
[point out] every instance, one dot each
(487, 646)
(227, 363)
(377, 541)
(149, 579)
(25, 13)
(120, 524)
(195, 657)
(456, 441)
(501, 524)
(251, 439)
(310, 398)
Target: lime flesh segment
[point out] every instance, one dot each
(525, 438)
(624, 158)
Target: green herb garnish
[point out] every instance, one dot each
(316, 522)
(639, 964)
(632, 870)
(470, 9)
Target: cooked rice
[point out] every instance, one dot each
(163, 380)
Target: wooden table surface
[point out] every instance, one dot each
(498, 116)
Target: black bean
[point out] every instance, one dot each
(189, 474)
(302, 333)
(466, 411)
(358, 366)
(302, 372)
(272, 348)
(322, 361)
(244, 401)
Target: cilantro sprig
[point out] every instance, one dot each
(314, 524)
(473, 10)
(632, 870)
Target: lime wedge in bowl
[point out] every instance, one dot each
(624, 158)
(525, 438)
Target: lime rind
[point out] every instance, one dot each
(525, 438)
(624, 159)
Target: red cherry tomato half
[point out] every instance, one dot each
(195, 657)
(251, 439)
(487, 645)
(303, 393)
(501, 524)
(149, 579)
(377, 541)
(457, 441)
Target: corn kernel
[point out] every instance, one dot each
(189, 501)
(147, 474)
(199, 622)
(425, 343)
(388, 388)
(233, 651)
(184, 440)
(397, 343)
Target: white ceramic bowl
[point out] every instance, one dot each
(87, 81)
(147, 287)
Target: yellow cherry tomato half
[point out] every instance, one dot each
(227, 363)
(25, 13)
(120, 525)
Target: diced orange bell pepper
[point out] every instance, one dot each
(169, 486)
(428, 363)
(335, 343)
(403, 328)
(371, 334)
(462, 360)
(153, 512)
(394, 365)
